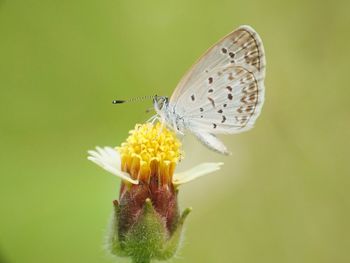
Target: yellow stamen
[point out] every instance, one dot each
(150, 150)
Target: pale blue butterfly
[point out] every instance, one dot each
(222, 93)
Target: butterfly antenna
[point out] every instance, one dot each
(137, 99)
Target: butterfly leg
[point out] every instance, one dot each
(153, 119)
(162, 121)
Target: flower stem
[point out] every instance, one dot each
(141, 260)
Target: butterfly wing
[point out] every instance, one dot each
(230, 105)
(224, 91)
(211, 142)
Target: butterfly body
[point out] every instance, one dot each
(222, 93)
(168, 114)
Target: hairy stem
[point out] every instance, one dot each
(141, 260)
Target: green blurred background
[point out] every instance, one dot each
(281, 197)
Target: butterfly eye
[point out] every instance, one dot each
(161, 101)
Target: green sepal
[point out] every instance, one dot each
(148, 238)
(173, 244)
(113, 243)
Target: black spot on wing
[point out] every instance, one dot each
(223, 119)
(211, 101)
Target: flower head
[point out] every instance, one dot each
(147, 223)
(150, 150)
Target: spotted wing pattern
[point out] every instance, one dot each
(224, 91)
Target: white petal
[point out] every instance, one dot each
(195, 172)
(109, 159)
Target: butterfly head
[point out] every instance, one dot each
(160, 104)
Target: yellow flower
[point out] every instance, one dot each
(146, 223)
(150, 150)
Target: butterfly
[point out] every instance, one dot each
(222, 93)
